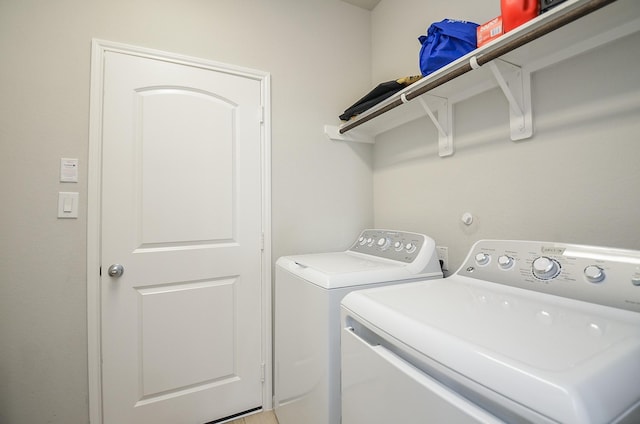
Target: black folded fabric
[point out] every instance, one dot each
(382, 91)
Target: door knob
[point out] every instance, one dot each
(116, 270)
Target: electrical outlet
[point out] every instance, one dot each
(443, 257)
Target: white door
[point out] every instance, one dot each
(181, 212)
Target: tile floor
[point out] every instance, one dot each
(267, 417)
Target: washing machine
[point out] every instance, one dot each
(308, 291)
(523, 332)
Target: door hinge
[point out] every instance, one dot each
(261, 114)
(262, 241)
(262, 372)
(100, 271)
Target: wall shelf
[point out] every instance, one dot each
(571, 28)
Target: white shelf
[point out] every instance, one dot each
(606, 24)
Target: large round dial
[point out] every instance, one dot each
(545, 268)
(383, 243)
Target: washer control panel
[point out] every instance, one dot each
(395, 245)
(593, 274)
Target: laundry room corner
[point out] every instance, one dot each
(45, 84)
(574, 180)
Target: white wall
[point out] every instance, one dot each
(322, 191)
(397, 24)
(575, 181)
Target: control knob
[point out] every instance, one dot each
(411, 247)
(482, 258)
(545, 268)
(398, 246)
(594, 274)
(505, 262)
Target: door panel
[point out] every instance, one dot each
(181, 211)
(173, 359)
(199, 140)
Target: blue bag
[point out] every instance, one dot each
(445, 42)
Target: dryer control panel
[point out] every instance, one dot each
(395, 245)
(605, 276)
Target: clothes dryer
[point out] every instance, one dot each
(523, 332)
(308, 291)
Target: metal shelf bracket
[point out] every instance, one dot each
(443, 122)
(515, 83)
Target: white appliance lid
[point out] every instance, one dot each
(345, 269)
(572, 361)
(343, 262)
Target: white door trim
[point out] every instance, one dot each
(98, 50)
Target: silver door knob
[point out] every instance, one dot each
(116, 270)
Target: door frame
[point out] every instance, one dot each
(98, 50)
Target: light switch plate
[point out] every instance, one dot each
(68, 204)
(68, 170)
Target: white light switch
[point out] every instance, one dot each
(68, 204)
(68, 170)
